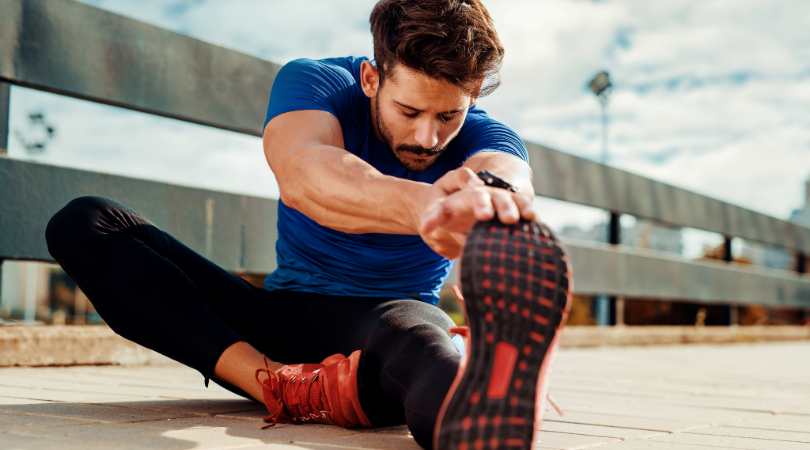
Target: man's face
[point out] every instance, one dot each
(418, 116)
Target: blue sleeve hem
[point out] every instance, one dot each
(289, 108)
(305, 84)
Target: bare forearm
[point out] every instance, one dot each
(343, 192)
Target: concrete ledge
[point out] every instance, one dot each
(61, 345)
(672, 335)
(68, 345)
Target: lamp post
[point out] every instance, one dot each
(600, 85)
(605, 306)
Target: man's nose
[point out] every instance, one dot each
(427, 133)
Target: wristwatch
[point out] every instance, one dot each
(490, 179)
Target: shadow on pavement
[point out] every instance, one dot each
(173, 424)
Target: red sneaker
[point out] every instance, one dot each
(323, 393)
(517, 283)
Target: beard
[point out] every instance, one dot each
(399, 150)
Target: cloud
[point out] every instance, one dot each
(711, 96)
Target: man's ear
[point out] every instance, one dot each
(369, 79)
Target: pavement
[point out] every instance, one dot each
(689, 397)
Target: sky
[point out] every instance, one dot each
(710, 96)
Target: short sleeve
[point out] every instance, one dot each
(480, 133)
(305, 84)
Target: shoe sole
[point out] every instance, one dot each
(516, 281)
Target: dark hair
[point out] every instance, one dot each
(452, 40)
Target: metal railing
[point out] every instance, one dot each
(72, 49)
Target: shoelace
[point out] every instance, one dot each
(303, 397)
(464, 332)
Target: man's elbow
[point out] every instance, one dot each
(291, 197)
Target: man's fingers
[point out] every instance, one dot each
(525, 206)
(459, 179)
(481, 202)
(508, 211)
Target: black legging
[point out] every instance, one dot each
(155, 291)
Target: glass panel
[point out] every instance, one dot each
(749, 252)
(572, 220)
(700, 244)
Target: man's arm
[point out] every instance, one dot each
(317, 177)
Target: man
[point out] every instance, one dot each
(376, 165)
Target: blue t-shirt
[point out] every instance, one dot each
(314, 258)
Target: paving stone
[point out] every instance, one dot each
(756, 405)
(639, 423)
(775, 423)
(617, 390)
(580, 400)
(111, 389)
(10, 421)
(249, 429)
(19, 401)
(801, 410)
(550, 439)
(730, 442)
(203, 407)
(596, 430)
(368, 440)
(654, 445)
(754, 433)
(790, 417)
(19, 440)
(144, 437)
(253, 415)
(61, 395)
(664, 410)
(86, 412)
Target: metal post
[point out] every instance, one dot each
(727, 257)
(619, 308)
(615, 230)
(5, 97)
(30, 311)
(1, 291)
(616, 304)
(602, 310)
(603, 100)
(79, 307)
(733, 315)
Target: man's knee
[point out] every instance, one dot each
(72, 221)
(410, 322)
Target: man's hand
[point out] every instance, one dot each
(459, 199)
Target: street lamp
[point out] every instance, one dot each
(600, 85)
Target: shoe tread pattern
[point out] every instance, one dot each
(493, 255)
